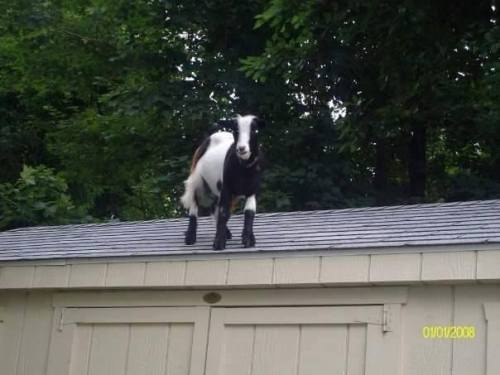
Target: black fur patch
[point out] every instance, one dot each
(238, 178)
(205, 200)
(206, 188)
(200, 151)
(190, 235)
(247, 237)
(219, 185)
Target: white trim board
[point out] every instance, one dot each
(251, 297)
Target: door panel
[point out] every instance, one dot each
(300, 340)
(149, 352)
(130, 341)
(347, 340)
(108, 349)
(316, 345)
(275, 349)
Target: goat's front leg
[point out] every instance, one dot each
(190, 235)
(222, 218)
(247, 237)
(215, 214)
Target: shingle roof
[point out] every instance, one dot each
(473, 222)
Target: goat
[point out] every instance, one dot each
(225, 166)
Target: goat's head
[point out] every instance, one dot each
(245, 130)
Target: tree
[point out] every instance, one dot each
(367, 101)
(38, 197)
(392, 66)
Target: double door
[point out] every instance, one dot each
(223, 341)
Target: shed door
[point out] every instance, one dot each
(129, 341)
(301, 341)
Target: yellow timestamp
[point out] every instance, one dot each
(449, 332)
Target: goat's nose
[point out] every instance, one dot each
(241, 149)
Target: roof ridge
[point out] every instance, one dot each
(264, 214)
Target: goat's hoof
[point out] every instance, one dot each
(190, 238)
(219, 243)
(248, 239)
(228, 234)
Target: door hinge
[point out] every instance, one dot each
(61, 320)
(387, 319)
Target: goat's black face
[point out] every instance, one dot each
(245, 130)
(245, 133)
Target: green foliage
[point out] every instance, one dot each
(38, 197)
(367, 101)
(418, 81)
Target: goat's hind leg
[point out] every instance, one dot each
(247, 236)
(190, 235)
(189, 202)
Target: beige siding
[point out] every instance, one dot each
(492, 313)
(25, 333)
(298, 340)
(262, 271)
(51, 276)
(449, 266)
(296, 270)
(345, 269)
(125, 274)
(271, 344)
(14, 308)
(206, 272)
(16, 277)
(165, 273)
(250, 272)
(356, 347)
(488, 265)
(131, 349)
(88, 275)
(26, 323)
(128, 340)
(37, 327)
(469, 311)
(395, 267)
(427, 306)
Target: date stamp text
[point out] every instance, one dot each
(448, 332)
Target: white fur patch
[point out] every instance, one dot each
(193, 210)
(209, 169)
(244, 130)
(251, 203)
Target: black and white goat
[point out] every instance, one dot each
(225, 167)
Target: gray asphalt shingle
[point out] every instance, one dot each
(473, 222)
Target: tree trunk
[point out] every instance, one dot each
(417, 162)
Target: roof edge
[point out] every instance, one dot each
(294, 270)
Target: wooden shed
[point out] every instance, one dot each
(354, 291)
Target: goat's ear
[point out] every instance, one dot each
(226, 124)
(222, 125)
(214, 128)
